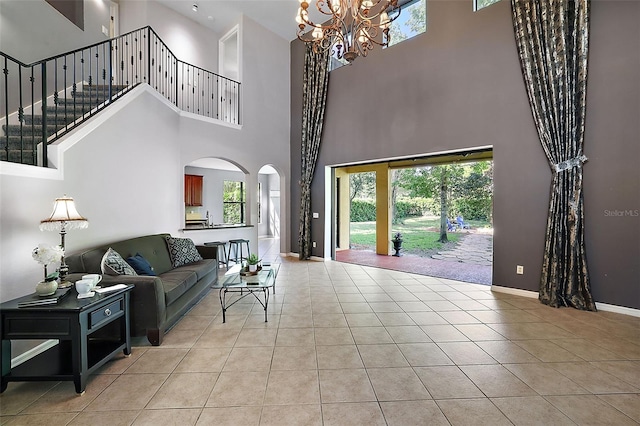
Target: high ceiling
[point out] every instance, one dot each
(219, 15)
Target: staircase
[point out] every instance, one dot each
(79, 84)
(22, 139)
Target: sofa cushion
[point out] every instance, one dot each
(176, 282)
(182, 251)
(113, 264)
(202, 267)
(140, 265)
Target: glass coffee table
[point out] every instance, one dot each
(236, 282)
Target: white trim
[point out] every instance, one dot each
(618, 309)
(313, 258)
(210, 120)
(600, 306)
(409, 157)
(23, 170)
(33, 352)
(515, 291)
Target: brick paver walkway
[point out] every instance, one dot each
(474, 248)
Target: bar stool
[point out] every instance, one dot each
(222, 254)
(237, 246)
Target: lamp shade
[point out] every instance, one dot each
(64, 214)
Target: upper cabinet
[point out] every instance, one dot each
(192, 190)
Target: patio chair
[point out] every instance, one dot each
(461, 223)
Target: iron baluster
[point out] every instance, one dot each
(5, 71)
(34, 153)
(45, 160)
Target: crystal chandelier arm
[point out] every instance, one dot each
(355, 28)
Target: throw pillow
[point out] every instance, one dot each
(113, 264)
(141, 265)
(182, 251)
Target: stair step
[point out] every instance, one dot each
(105, 87)
(91, 94)
(15, 143)
(36, 129)
(28, 156)
(78, 109)
(79, 100)
(60, 119)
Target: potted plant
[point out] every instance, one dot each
(397, 243)
(253, 261)
(45, 254)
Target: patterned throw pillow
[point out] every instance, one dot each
(113, 264)
(182, 251)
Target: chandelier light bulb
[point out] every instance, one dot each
(354, 26)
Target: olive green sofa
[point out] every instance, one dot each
(157, 302)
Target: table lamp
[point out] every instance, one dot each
(64, 217)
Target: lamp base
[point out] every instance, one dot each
(64, 284)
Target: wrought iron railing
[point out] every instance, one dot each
(46, 99)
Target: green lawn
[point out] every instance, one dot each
(416, 235)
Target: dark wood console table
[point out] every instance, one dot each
(90, 331)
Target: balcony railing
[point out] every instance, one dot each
(41, 102)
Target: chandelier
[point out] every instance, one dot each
(354, 26)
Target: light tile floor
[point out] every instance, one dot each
(353, 345)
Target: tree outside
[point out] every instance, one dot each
(426, 201)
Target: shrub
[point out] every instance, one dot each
(363, 211)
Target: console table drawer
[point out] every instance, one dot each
(105, 313)
(41, 325)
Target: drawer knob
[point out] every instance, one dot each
(107, 312)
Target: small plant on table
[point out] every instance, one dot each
(253, 261)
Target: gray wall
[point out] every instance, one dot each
(458, 86)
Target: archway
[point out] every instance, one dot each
(269, 205)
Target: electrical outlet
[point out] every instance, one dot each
(316, 215)
(314, 244)
(519, 269)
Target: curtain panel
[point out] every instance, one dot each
(315, 86)
(552, 37)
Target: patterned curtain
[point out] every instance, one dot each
(552, 37)
(316, 82)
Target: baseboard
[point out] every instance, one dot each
(600, 306)
(618, 309)
(313, 258)
(33, 352)
(515, 291)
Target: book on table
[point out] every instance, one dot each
(35, 300)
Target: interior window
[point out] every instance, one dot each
(411, 22)
(233, 204)
(480, 4)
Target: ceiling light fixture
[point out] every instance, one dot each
(194, 7)
(354, 28)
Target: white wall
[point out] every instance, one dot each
(188, 40)
(264, 138)
(123, 176)
(31, 30)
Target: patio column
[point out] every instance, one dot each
(383, 208)
(343, 209)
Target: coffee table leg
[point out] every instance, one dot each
(223, 296)
(266, 302)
